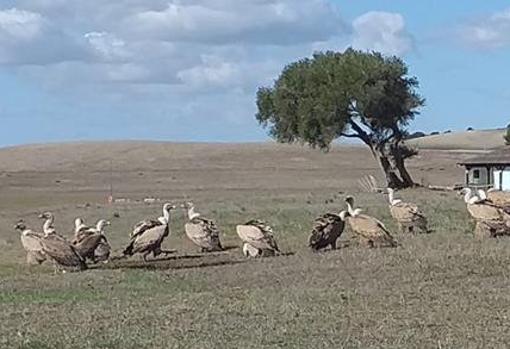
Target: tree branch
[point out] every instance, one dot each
(361, 133)
(350, 135)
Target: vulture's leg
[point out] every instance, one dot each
(333, 245)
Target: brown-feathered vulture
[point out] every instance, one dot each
(201, 231)
(148, 235)
(88, 242)
(326, 231)
(499, 197)
(58, 249)
(407, 215)
(481, 209)
(372, 232)
(259, 236)
(31, 242)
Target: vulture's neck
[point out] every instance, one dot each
(350, 209)
(192, 214)
(100, 226)
(165, 219)
(468, 196)
(48, 225)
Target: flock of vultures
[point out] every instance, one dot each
(89, 244)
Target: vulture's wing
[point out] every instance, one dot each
(61, 251)
(31, 241)
(327, 228)
(144, 225)
(204, 233)
(150, 238)
(258, 234)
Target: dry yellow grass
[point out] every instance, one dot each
(443, 289)
(468, 140)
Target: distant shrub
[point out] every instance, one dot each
(417, 134)
(470, 129)
(506, 137)
(435, 133)
(447, 131)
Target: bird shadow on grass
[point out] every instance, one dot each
(230, 247)
(163, 264)
(191, 261)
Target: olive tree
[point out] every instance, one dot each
(354, 94)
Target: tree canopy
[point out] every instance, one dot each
(352, 94)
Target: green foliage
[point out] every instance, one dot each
(354, 94)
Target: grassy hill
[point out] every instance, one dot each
(468, 140)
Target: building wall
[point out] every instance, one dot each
(479, 176)
(502, 183)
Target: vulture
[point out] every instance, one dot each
(499, 197)
(91, 243)
(482, 209)
(259, 237)
(31, 242)
(203, 232)
(326, 230)
(58, 249)
(500, 202)
(372, 232)
(148, 235)
(407, 215)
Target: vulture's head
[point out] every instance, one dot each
(187, 205)
(20, 225)
(169, 207)
(46, 215)
(78, 222)
(102, 223)
(465, 191)
(350, 200)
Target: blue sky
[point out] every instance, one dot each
(188, 70)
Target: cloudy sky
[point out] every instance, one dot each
(188, 69)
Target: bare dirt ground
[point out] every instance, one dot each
(442, 290)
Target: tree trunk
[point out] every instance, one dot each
(392, 180)
(407, 180)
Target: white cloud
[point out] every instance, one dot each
(194, 44)
(213, 71)
(490, 32)
(107, 46)
(192, 56)
(20, 25)
(382, 31)
(29, 38)
(227, 21)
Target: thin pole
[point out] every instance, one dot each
(111, 180)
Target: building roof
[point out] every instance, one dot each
(500, 156)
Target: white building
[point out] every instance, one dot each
(490, 170)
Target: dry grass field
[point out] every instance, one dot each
(468, 140)
(442, 290)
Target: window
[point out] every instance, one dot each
(476, 174)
